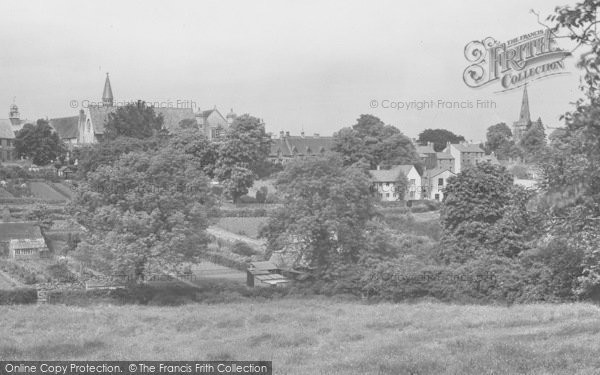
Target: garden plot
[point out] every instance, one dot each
(43, 191)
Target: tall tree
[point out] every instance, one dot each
(39, 142)
(484, 214)
(242, 151)
(533, 142)
(376, 143)
(327, 207)
(439, 137)
(145, 214)
(133, 120)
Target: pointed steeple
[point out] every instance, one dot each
(524, 116)
(107, 95)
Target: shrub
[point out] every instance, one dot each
(18, 296)
(242, 248)
(246, 199)
(61, 273)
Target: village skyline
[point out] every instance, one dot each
(308, 78)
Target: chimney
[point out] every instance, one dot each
(287, 133)
(302, 134)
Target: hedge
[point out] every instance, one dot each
(18, 296)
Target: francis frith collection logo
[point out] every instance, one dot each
(515, 62)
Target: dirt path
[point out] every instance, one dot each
(229, 236)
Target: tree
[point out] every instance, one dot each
(134, 121)
(439, 137)
(372, 141)
(39, 142)
(483, 213)
(91, 157)
(499, 141)
(327, 207)
(145, 214)
(533, 142)
(242, 151)
(194, 143)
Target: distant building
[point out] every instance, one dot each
(288, 147)
(434, 182)
(22, 239)
(524, 122)
(92, 120)
(213, 124)
(67, 129)
(385, 183)
(465, 155)
(7, 139)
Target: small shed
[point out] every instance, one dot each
(265, 274)
(28, 248)
(21, 239)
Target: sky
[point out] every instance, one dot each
(313, 65)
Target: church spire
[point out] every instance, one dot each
(525, 117)
(107, 95)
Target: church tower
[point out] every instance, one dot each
(521, 126)
(107, 95)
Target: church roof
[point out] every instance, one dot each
(99, 116)
(66, 127)
(171, 116)
(107, 93)
(6, 129)
(524, 115)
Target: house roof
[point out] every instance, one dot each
(467, 147)
(444, 155)
(430, 173)
(301, 145)
(66, 127)
(390, 175)
(22, 230)
(6, 129)
(172, 116)
(263, 266)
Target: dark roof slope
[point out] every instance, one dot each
(301, 145)
(23, 230)
(6, 129)
(66, 127)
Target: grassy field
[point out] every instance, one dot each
(43, 191)
(245, 226)
(317, 336)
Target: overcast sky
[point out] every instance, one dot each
(312, 65)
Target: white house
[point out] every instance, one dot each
(385, 183)
(434, 183)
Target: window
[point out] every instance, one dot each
(440, 182)
(387, 195)
(412, 194)
(412, 181)
(437, 197)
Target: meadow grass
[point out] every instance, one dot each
(244, 226)
(317, 336)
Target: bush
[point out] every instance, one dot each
(242, 248)
(61, 272)
(246, 199)
(18, 296)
